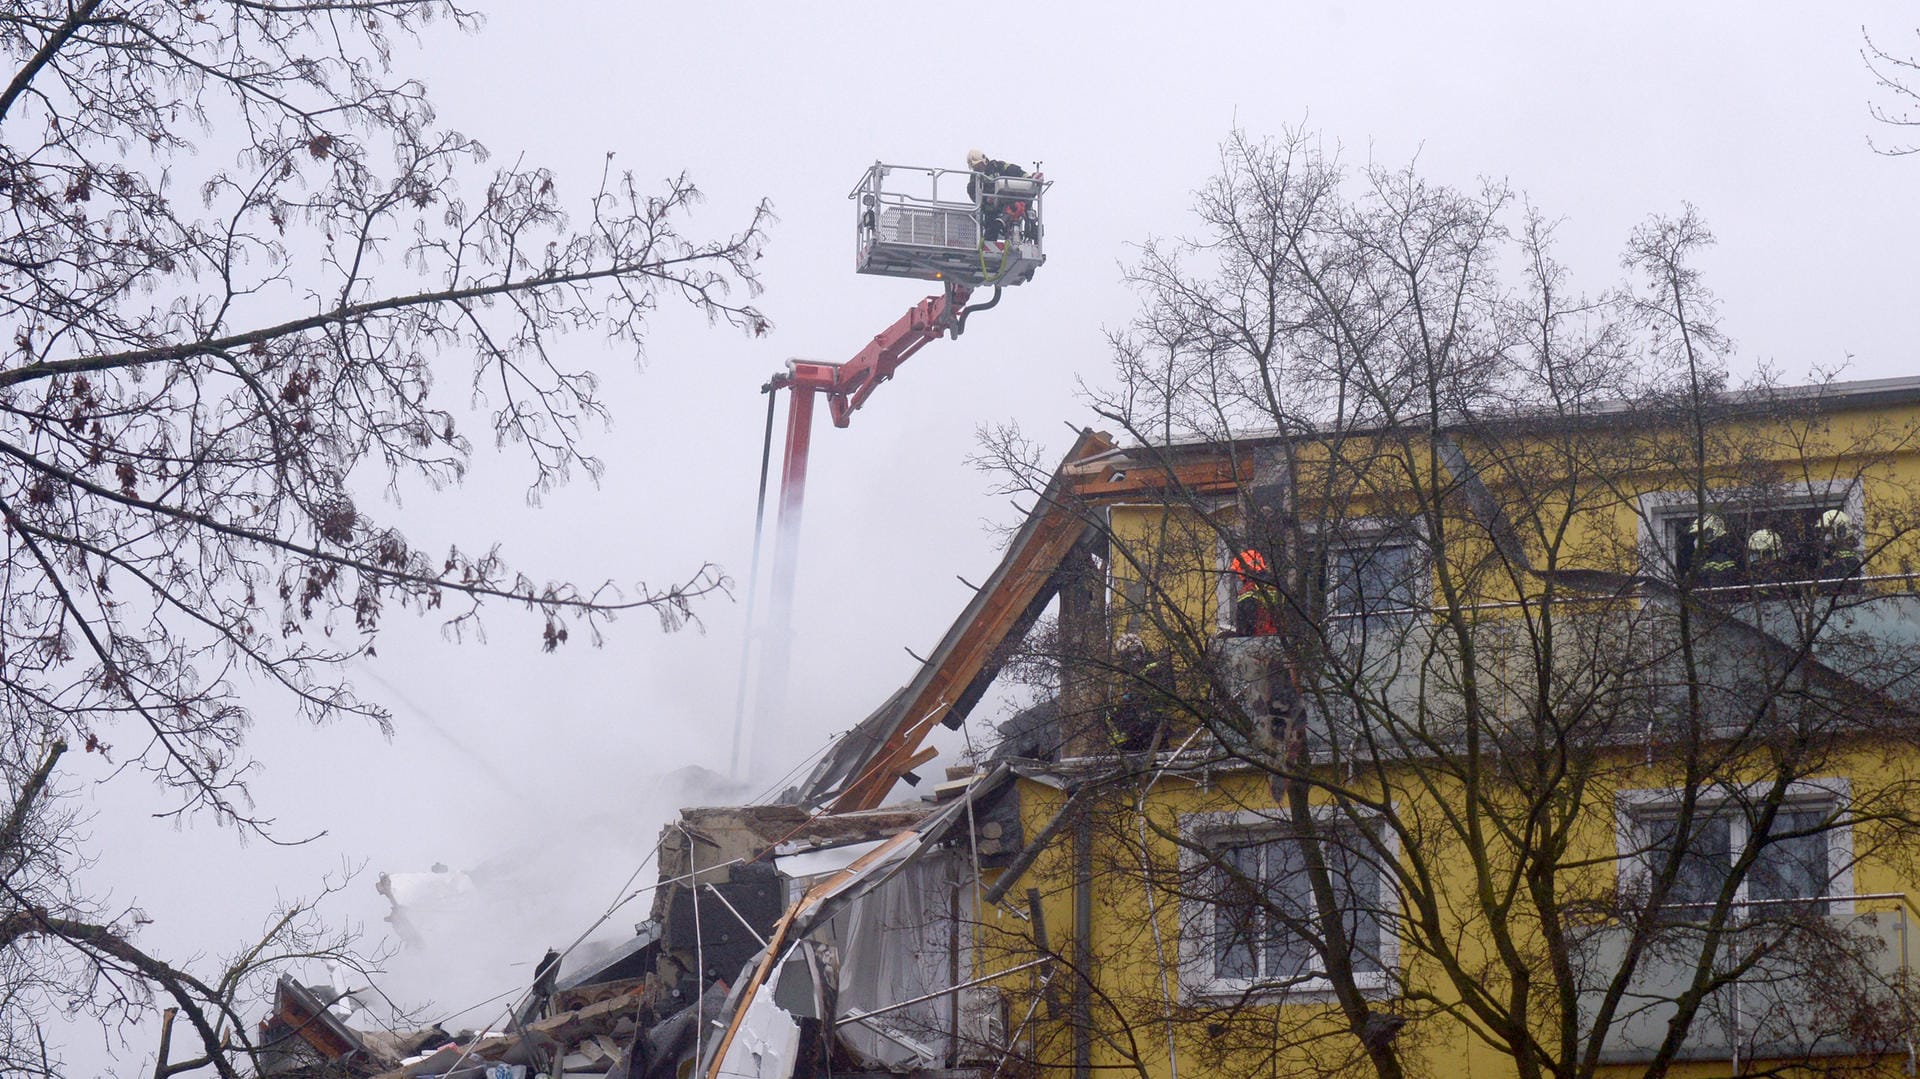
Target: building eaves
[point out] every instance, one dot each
(1850, 395)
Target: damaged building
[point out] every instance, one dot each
(1262, 819)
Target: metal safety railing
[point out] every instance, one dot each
(941, 224)
(928, 207)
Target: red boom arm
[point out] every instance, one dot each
(847, 386)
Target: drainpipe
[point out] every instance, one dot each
(953, 965)
(1083, 946)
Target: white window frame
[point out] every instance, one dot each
(1635, 810)
(1356, 532)
(1198, 980)
(1371, 534)
(1226, 593)
(1657, 509)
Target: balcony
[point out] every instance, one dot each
(1816, 985)
(1384, 653)
(1872, 637)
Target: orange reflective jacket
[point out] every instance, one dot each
(1246, 564)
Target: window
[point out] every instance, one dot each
(1370, 578)
(1803, 863)
(1705, 860)
(1368, 573)
(1257, 925)
(1812, 534)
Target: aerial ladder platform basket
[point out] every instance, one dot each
(967, 230)
(925, 223)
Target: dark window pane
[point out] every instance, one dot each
(1790, 866)
(1705, 858)
(1288, 954)
(1236, 912)
(1357, 881)
(1265, 927)
(1373, 577)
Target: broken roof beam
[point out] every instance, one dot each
(555, 1031)
(970, 654)
(1157, 470)
(307, 1017)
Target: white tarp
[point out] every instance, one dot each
(897, 942)
(887, 916)
(759, 1045)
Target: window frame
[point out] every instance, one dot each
(1199, 978)
(1225, 592)
(1419, 570)
(1658, 512)
(1636, 810)
(1357, 532)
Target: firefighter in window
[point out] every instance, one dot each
(1256, 605)
(1839, 546)
(1713, 559)
(1764, 551)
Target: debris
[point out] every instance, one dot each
(821, 935)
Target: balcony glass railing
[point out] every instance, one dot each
(1809, 985)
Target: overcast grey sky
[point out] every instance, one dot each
(1756, 113)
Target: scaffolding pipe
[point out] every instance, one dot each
(855, 1017)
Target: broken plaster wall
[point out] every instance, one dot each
(718, 900)
(711, 838)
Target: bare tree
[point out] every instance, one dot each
(1894, 74)
(1579, 722)
(239, 249)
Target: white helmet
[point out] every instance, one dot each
(976, 159)
(1836, 522)
(1710, 526)
(1764, 541)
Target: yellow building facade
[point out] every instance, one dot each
(1538, 745)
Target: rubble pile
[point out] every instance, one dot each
(825, 934)
(782, 942)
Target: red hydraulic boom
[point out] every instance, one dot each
(848, 385)
(964, 228)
